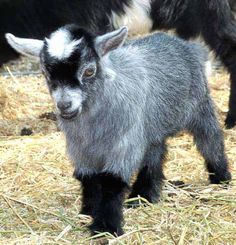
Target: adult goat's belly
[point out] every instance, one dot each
(136, 17)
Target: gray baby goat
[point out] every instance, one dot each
(118, 103)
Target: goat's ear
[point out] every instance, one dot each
(110, 41)
(25, 46)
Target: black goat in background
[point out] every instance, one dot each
(213, 20)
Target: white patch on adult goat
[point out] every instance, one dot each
(75, 95)
(208, 67)
(209, 55)
(61, 45)
(136, 17)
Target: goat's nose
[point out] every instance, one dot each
(64, 105)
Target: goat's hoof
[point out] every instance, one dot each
(230, 121)
(222, 179)
(100, 227)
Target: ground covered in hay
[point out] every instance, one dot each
(40, 201)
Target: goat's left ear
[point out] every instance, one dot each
(110, 41)
(25, 46)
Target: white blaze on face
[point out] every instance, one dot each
(61, 45)
(66, 94)
(136, 17)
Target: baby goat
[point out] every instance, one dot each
(118, 103)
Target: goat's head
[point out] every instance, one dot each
(71, 62)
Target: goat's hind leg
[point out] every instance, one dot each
(150, 178)
(210, 143)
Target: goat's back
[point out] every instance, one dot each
(165, 78)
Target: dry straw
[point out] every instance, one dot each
(40, 201)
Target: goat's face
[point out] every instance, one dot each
(70, 65)
(70, 60)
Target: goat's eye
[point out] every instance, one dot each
(89, 72)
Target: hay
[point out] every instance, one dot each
(22, 101)
(40, 200)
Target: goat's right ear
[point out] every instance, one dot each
(25, 46)
(110, 41)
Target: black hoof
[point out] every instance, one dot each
(230, 121)
(220, 179)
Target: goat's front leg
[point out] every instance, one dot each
(108, 216)
(91, 193)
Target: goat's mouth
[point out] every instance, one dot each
(69, 115)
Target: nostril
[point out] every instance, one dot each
(64, 105)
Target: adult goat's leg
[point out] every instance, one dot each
(219, 32)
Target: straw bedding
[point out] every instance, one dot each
(40, 201)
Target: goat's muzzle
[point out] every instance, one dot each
(69, 115)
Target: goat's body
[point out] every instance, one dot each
(133, 110)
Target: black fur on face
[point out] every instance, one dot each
(69, 71)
